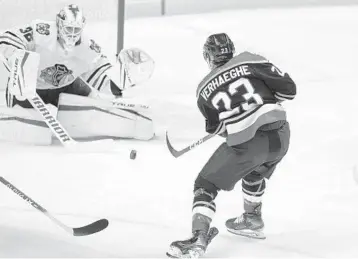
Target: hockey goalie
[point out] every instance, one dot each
(76, 80)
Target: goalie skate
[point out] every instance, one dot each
(193, 247)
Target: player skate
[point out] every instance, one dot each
(249, 224)
(193, 247)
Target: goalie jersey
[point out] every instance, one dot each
(59, 67)
(243, 95)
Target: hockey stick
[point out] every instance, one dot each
(89, 229)
(54, 125)
(178, 153)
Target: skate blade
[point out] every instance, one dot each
(171, 256)
(248, 233)
(182, 256)
(176, 253)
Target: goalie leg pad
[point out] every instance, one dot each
(88, 119)
(23, 126)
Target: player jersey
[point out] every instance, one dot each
(242, 96)
(59, 67)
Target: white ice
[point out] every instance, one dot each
(311, 204)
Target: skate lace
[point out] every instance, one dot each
(239, 219)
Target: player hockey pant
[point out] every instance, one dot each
(251, 162)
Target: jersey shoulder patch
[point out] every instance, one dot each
(44, 28)
(94, 46)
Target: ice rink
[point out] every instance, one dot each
(311, 204)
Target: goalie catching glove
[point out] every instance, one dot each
(135, 67)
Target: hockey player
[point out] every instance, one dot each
(72, 63)
(240, 100)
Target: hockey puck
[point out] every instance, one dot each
(133, 154)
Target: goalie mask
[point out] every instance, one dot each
(218, 49)
(70, 23)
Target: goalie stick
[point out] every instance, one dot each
(36, 101)
(89, 229)
(54, 125)
(49, 119)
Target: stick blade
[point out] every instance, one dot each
(92, 228)
(174, 152)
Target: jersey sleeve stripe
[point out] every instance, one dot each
(281, 96)
(240, 117)
(102, 81)
(8, 41)
(242, 127)
(96, 71)
(12, 41)
(10, 44)
(14, 38)
(101, 75)
(13, 34)
(285, 95)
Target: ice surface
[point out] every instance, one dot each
(310, 207)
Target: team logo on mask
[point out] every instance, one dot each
(57, 75)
